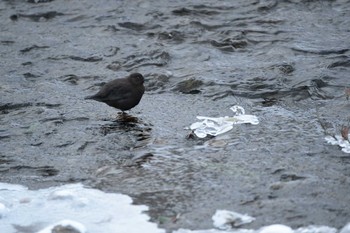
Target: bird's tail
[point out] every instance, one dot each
(90, 97)
(94, 97)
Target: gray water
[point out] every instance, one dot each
(287, 62)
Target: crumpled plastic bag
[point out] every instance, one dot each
(218, 125)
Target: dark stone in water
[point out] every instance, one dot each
(189, 86)
(123, 93)
(65, 229)
(37, 17)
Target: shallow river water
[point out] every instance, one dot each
(287, 62)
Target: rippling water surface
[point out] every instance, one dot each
(287, 62)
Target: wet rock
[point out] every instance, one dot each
(111, 51)
(5, 108)
(14, 17)
(182, 11)
(291, 177)
(65, 229)
(29, 63)
(116, 65)
(77, 58)
(5, 160)
(38, 16)
(311, 89)
(44, 171)
(111, 28)
(157, 82)
(75, 80)
(137, 26)
(345, 63)
(276, 186)
(285, 68)
(186, 11)
(176, 36)
(86, 59)
(250, 200)
(33, 47)
(7, 42)
(321, 51)
(30, 76)
(229, 44)
(268, 102)
(131, 25)
(189, 86)
(139, 160)
(152, 58)
(4, 136)
(267, 5)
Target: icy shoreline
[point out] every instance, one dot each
(74, 208)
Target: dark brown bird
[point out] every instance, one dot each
(123, 93)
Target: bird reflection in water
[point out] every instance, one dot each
(124, 122)
(126, 118)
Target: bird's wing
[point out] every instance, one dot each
(110, 89)
(118, 93)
